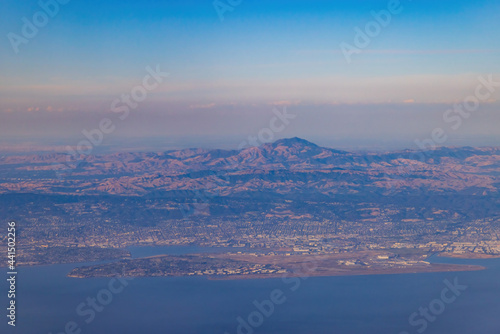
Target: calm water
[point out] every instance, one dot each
(47, 301)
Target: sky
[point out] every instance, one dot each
(231, 64)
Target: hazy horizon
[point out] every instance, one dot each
(215, 75)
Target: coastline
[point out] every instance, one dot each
(432, 268)
(469, 256)
(436, 268)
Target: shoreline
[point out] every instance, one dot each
(469, 256)
(433, 268)
(399, 271)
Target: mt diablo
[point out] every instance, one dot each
(286, 166)
(290, 194)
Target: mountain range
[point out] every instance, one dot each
(291, 165)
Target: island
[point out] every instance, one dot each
(273, 265)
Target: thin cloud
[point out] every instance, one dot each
(406, 51)
(202, 106)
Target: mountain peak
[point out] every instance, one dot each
(293, 141)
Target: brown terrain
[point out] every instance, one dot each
(290, 195)
(286, 166)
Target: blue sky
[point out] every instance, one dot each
(263, 53)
